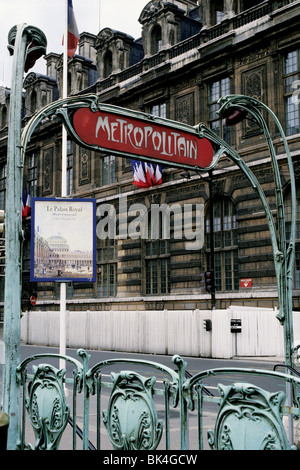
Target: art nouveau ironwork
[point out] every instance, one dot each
(136, 413)
(247, 416)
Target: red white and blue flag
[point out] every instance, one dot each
(73, 33)
(146, 174)
(26, 203)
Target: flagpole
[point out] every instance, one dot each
(63, 287)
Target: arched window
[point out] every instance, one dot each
(288, 219)
(156, 40)
(224, 244)
(107, 64)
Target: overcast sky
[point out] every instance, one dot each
(48, 15)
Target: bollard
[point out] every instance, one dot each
(4, 423)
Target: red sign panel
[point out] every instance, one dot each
(142, 137)
(246, 282)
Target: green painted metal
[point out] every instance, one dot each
(27, 43)
(61, 107)
(47, 408)
(131, 418)
(44, 399)
(283, 252)
(247, 417)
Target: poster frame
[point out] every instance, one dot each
(90, 276)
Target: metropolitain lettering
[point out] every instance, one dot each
(169, 143)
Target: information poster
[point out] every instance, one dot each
(63, 240)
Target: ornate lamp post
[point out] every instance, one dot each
(235, 108)
(27, 44)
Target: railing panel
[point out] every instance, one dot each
(47, 404)
(136, 412)
(245, 415)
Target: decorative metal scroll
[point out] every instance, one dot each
(44, 399)
(47, 408)
(131, 420)
(249, 419)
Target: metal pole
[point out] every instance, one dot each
(212, 240)
(13, 228)
(23, 41)
(63, 286)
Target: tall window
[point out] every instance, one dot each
(32, 174)
(33, 102)
(157, 266)
(225, 244)
(157, 262)
(69, 188)
(288, 219)
(107, 268)
(108, 170)
(107, 64)
(156, 40)
(291, 74)
(219, 11)
(216, 91)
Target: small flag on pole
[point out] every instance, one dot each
(73, 33)
(26, 203)
(146, 174)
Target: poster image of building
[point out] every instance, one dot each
(63, 240)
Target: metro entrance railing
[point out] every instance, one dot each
(119, 404)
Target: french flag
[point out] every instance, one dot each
(26, 204)
(73, 34)
(146, 174)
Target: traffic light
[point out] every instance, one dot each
(209, 281)
(2, 216)
(207, 325)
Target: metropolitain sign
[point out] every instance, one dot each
(137, 135)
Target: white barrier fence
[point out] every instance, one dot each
(237, 331)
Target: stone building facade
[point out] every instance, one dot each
(189, 55)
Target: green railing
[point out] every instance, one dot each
(124, 404)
